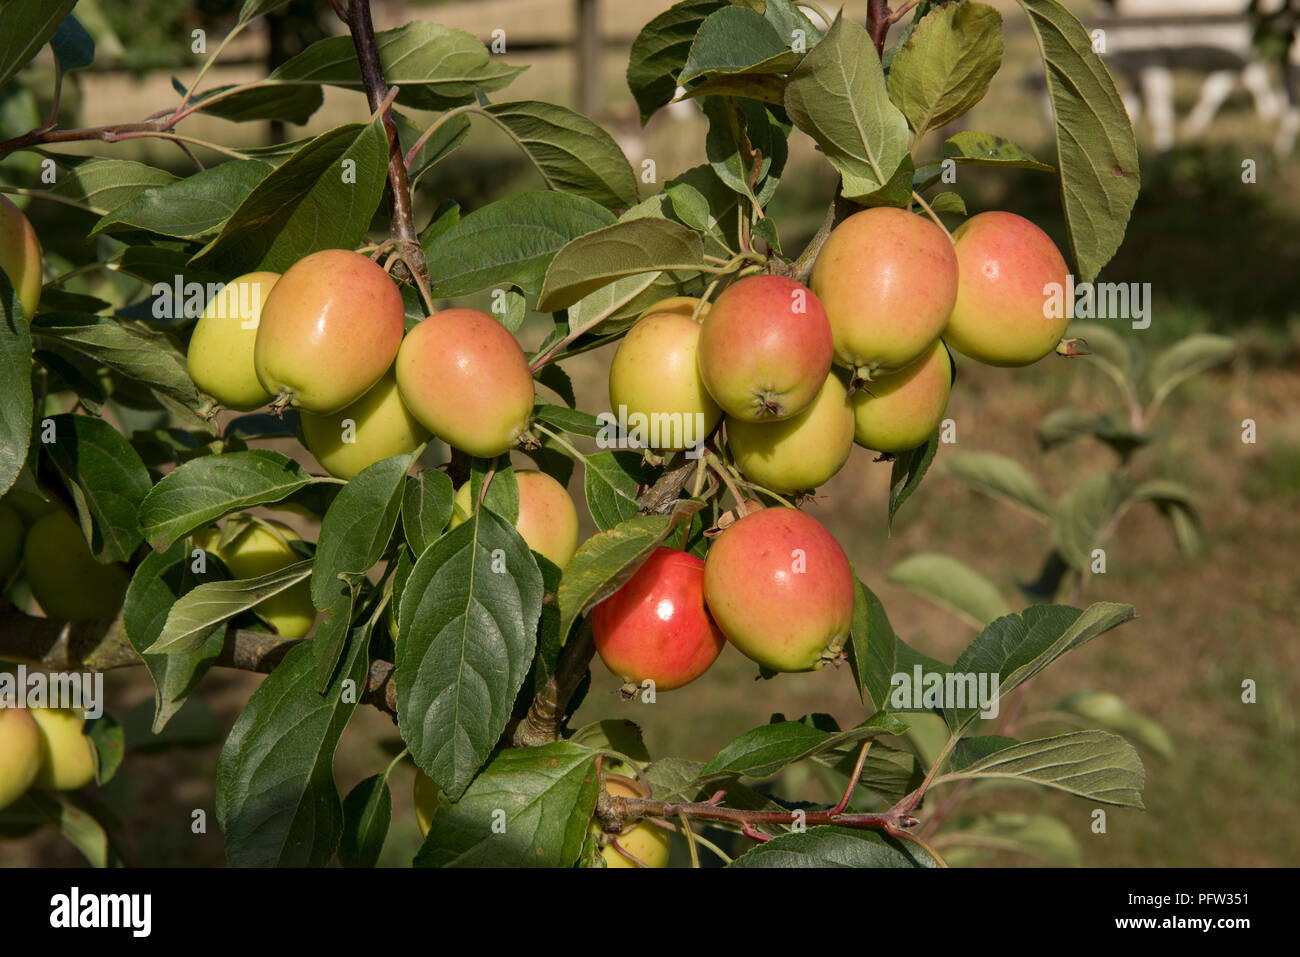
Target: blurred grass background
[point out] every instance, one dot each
(1221, 256)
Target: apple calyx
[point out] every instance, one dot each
(1070, 348)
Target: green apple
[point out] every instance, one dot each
(64, 576)
(801, 452)
(258, 551)
(376, 426)
(68, 757)
(426, 801)
(329, 330)
(220, 355)
(898, 412)
(547, 521)
(12, 531)
(655, 374)
(20, 753)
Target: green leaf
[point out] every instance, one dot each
(1095, 765)
(1017, 647)
(573, 154)
(837, 96)
(434, 67)
(426, 508)
(448, 138)
(15, 385)
(737, 40)
(510, 241)
(1038, 835)
(358, 526)
(467, 624)
(871, 647)
(190, 208)
(292, 104)
(1112, 713)
(367, 812)
(542, 798)
(906, 473)
(316, 200)
(106, 479)
(102, 185)
(945, 65)
(767, 750)
(1084, 513)
(73, 47)
(195, 614)
(1184, 359)
(1178, 505)
(952, 584)
(614, 734)
(660, 50)
(130, 348)
(985, 149)
(624, 249)
(161, 579)
(1002, 478)
(737, 130)
(25, 25)
(252, 9)
(1064, 425)
(608, 559)
(110, 747)
(204, 489)
(573, 421)
(77, 825)
(1094, 138)
(276, 799)
(835, 847)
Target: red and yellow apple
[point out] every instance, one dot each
(898, 412)
(800, 452)
(68, 758)
(781, 589)
(20, 256)
(220, 354)
(377, 426)
(548, 520)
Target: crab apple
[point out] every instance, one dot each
(781, 589)
(20, 753)
(888, 280)
(548, 520)
(647, 842)
(257, 551)
(1008, 267)
(899, 412)
(655, 374)
(463, 375)
(63, 574)
(425, 795)
(376, 426)
(220, 355)
(656, 626)
(765, 348)
(68, 757)
(329, 330)
(12, 532)
(20, 256)
(801, 452)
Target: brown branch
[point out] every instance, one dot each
(102, 645)
(545, 715)
(878, 23)
(628, 809)
(362, 29)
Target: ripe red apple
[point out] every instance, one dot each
(1000, 317)
(655, 374)
(463, 375)
(329, 330)
(800, 452)
(765, 348)
(898, 412)
(548, 520)
(657, 626)
(20, 256)
(888, 280)
(781, 589)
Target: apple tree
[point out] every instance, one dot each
(289, 334)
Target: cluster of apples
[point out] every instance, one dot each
(802, 373)
(328, 337)
(43, 748)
